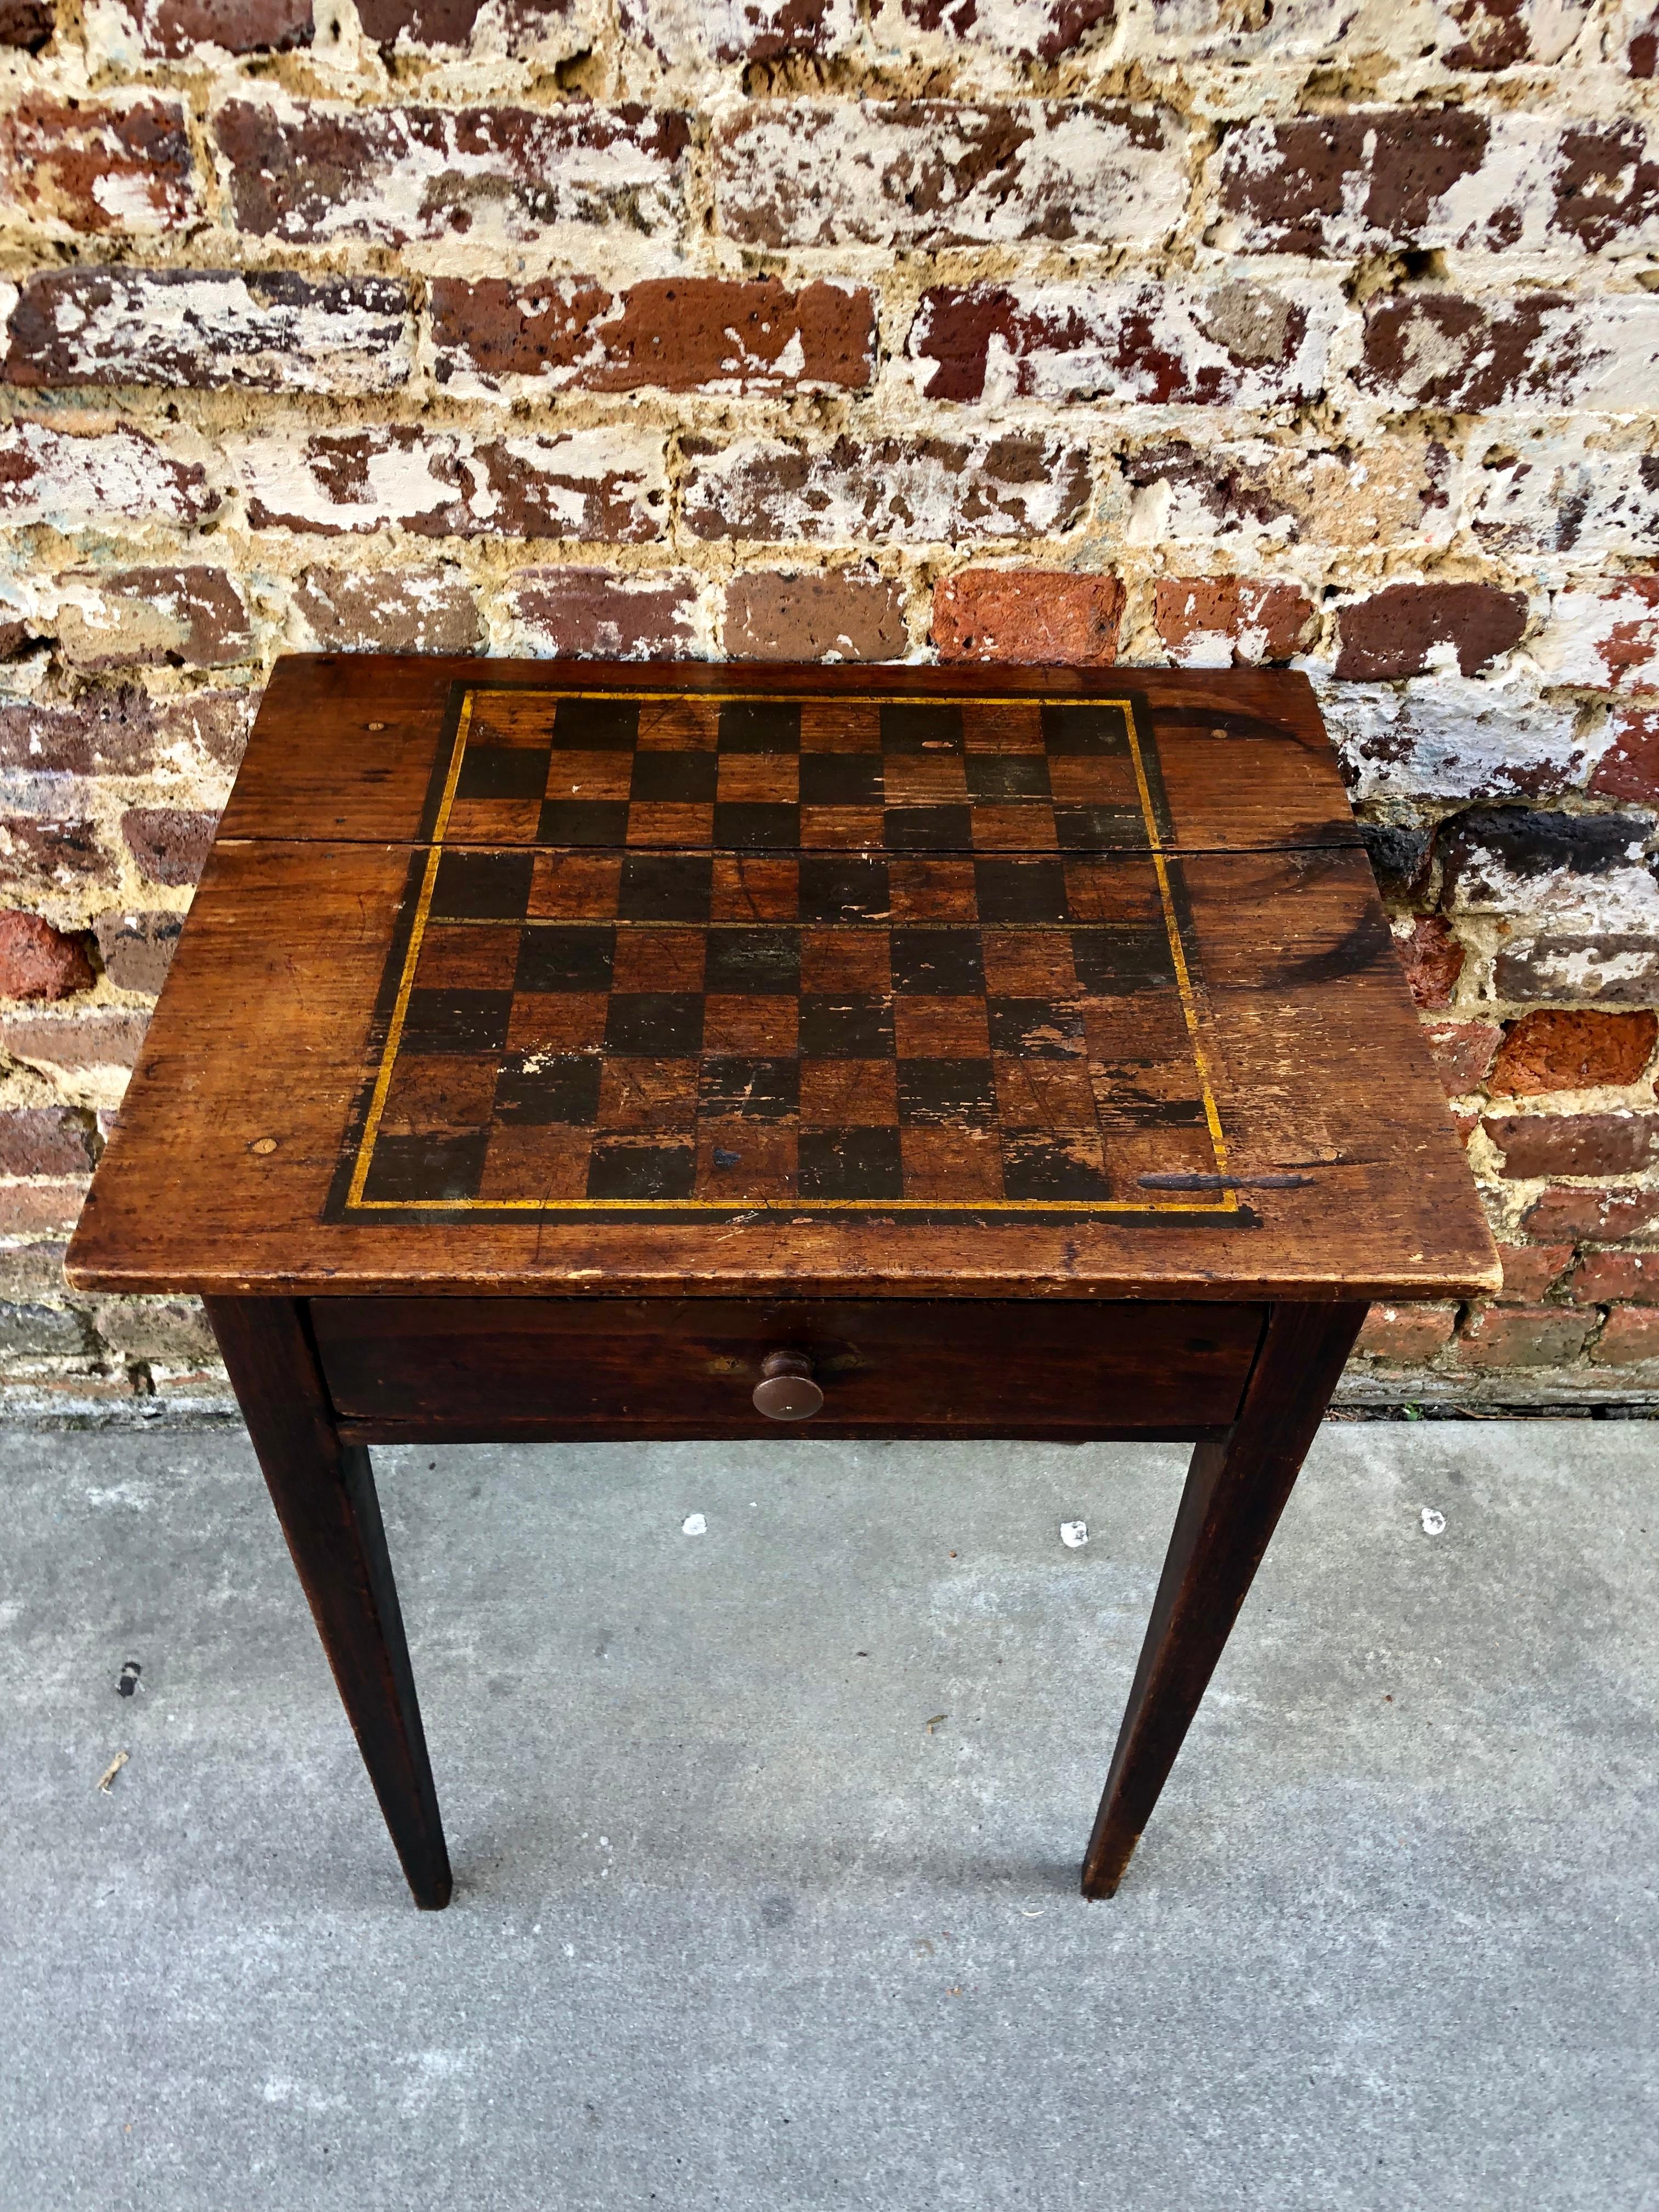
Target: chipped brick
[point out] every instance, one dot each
(1631, 1337)
(309, 173)
(1574, 1143)
(1431, 958)
(1601, 1217)
(1524, 1336)
(103, 1037)
(1463, 1052)
(1238, 344)
(1231, 622)
(1531, 1272)
(137, 949)
(1400, 859)
(205, 330)
(1537, 350)
(43, 854)
(1630, 767)
(1604, 1278)
(538, 28)
(1425, 178)
(1488, 851)
(48, 476)
(191, 617)
(1051, 615)
(1605, 639)
(405, 609)
(27, 24)
(1398, 631)
(926, 173)
(1407, 1335)
(169, 843)
(679, 334)
(1251, 493)
(912, 491)
(78, 168)
(1019, 30)
(687, 32)
(772, 616)
(44, 1140)
(40, 961)
(593, 613)
(608, 484)
(1555, 1049)
(178, 30)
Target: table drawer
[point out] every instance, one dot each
(688, 1367)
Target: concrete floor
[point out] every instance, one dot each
(733, 1928)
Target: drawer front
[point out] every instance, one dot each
(666, 1367)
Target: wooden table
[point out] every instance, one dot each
(560, 1050)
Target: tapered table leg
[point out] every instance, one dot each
(324, 1493)
(1236, 1490)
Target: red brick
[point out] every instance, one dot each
(27, 24)
(102, 1036)
(609, 484)
(49, 855)
(1229, 621)
(310, 174)
(1499, 34)
(1605, 639)
(1632, 1335)
(1556, 1050)
(1238, 344)
(191, 617)
(82, 167)
(31, 1209)
(44, 1140)
(170, 843)
(1041, 30)
(1465, 356)
(442, 25)
(1463, 1052)
(905, 490)
(772, 616)
(389, 610)
(106, 732)
(1642, 53)
(1431, 958)
(593, 613)
(1603, 1216)
(1530, 1270)
(1575, 1144)
(1052, 615)
(40, 961)
(680, 334)
(1395, 631)
(1524, 1336)
(1423, 177)
(1407, 1335)
(48, 476)
(203, 330)
(172, 30)
(1603, 1278)
(1630, 767)
(925, 173)
(741, 30)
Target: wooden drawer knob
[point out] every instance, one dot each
(786, 1391)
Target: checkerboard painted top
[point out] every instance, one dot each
(705, 955)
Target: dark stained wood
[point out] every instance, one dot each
(343, 747)
(1354, 1181)
(1236, 1489)
(324, 1493)
(687, 1367)
(509, 1092)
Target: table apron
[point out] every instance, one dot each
(496, 1370)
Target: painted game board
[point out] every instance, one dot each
(685, 954)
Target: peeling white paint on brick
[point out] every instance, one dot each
(1456, 737)
(1606, 639)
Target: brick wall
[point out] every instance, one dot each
(1202, 331)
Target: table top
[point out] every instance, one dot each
(512, 976)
